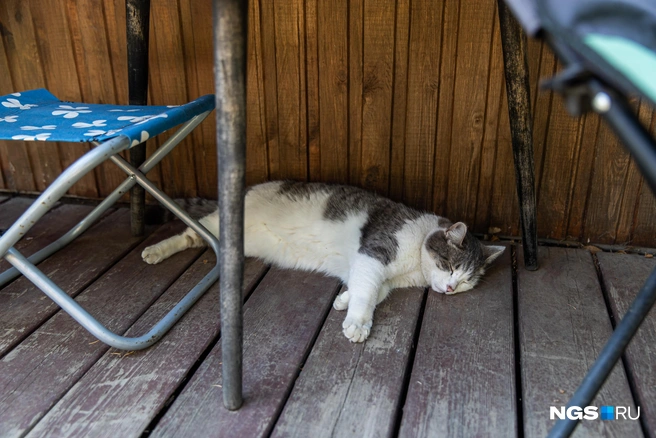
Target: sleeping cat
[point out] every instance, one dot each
(371, 243)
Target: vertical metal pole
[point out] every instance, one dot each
(230, 83)
(513, 41)
(137, 16)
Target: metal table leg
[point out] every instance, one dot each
(230, 83)
(513, 41)
(137, 16)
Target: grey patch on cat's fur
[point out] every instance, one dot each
(385, 217)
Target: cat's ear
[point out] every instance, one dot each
(456, 233)
(492, 252)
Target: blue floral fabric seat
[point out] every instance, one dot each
(38, 115)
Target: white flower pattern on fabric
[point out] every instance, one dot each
(94, 124)
(70, 112)
(144, 137)
(39, 137)
(98, 132)
(15, 103)
(34, 128)
(8, 119)
(16, 94)
(124, 110)
(142, 119)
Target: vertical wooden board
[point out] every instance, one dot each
(290, 65)
(632, 185)
(624, 276)
(545, 101)
(580, 184)
(563, 141)
(25, 307)
(333, 69)
(481, 222)
(115, 22)
(39, 165)
(504, 208)
(257, 167)
(281, 319)
(270, 78)
(178, 168)
(399, 99)
(360, 385)
(423, 88)
(196, 22)
(355, 85)
(120, 381)
(312, 89)
(93, 61)
(563, 325)
(378, 81)
(643, 232)
(56, 53)
(445, 81)
(644, 228)
(463, 376)
(611, 164)
(6, 87)
(470, 92)
(39, 371)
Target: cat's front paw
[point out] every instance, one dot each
(341, 302)
(356, 331)
(152, 255)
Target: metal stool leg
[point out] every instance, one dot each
(230, 83)
(513, 40)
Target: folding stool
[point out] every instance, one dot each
(37, 115)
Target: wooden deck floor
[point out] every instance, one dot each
(485, 363)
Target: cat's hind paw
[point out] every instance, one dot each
(152, 255)
(341, 302)
(355, 331)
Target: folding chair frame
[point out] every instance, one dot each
(615, 110)
(102, 152)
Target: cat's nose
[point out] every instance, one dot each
(449, 289)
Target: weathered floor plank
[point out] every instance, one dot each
(563, 325)
(25, 307)
(463, 378)
(40, 370)
(119, 382)
(624, 276)
(281, 319)
(55, 223)
(348, 389)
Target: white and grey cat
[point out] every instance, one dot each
(371, 243)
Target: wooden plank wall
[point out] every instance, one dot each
(402, 97)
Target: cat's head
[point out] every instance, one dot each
(453, 260)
